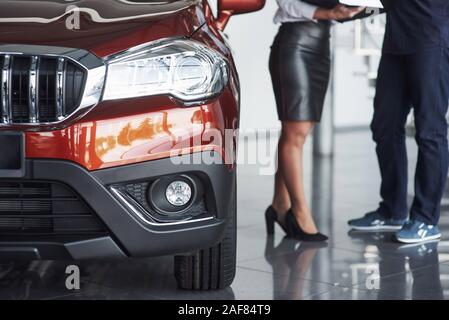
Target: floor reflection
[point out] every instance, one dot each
(30, 280)
(409, 272)
(293, 267)
(104, 280)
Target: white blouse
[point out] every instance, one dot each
(294, 11)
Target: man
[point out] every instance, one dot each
(413, 74)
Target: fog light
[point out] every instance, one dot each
(178, 193)
(174, 196)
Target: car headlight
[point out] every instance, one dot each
(184, 69)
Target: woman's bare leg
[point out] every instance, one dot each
(281, 201)
(291, 148)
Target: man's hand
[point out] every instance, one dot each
(340, 12)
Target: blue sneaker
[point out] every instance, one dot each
(374, 221)
(415, 231)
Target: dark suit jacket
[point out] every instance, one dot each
(411, 24)
(416, 24)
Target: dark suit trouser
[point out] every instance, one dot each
(419, 81)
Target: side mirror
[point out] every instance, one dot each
(227, 8)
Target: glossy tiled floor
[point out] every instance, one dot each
(351, 266)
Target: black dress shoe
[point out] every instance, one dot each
(295, 231)
(271, 216)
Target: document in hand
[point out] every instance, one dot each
(363, 3)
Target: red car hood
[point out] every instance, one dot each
(101, 26)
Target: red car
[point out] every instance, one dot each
(108, 112)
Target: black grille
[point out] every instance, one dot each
(39, 89)
(45, 208)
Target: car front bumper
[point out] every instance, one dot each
(128, 234)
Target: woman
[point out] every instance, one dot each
(300, 70)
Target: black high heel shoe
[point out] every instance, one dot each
(295, 231)
(271, 217)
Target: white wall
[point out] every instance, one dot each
(353, 94)
(251, 36)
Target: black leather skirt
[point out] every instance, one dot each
(300, 70)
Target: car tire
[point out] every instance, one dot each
(213, 268)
